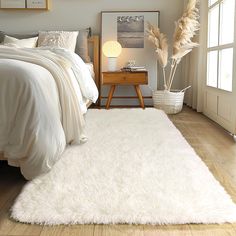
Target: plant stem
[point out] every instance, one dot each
(171, 71)
(173, 75)
(164, 75)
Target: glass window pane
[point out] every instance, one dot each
(211, 2)
(227, 22)
(213, 25)
(212, 68)
(226, 69)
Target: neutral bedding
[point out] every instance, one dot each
(91, 69)
(43, 93)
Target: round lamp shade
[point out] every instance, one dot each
(111, 49)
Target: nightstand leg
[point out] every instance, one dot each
(140, 96)
(112, 90)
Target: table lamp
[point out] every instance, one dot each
(111, 49)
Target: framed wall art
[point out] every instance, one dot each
(25, 4)
(129, 29)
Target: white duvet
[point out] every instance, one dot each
(42, 95)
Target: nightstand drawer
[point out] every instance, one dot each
(125, 78)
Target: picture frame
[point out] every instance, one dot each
(34, 4)
(24, 4)
(129, 29)
(12, 4)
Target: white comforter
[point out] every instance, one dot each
(42, 95)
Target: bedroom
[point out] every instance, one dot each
(124, 170)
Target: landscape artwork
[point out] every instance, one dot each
(130, 31)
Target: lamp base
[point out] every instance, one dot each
(112, 63)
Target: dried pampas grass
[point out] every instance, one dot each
(185, 30)
(160, 41)
(161, 45)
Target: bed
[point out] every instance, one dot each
(47, 107)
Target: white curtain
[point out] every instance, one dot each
(193, 67)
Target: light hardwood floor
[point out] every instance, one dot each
(216, 148)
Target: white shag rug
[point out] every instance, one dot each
(136, 168)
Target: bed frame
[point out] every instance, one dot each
(94, 45)
(94, 42)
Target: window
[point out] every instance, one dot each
(220, 44)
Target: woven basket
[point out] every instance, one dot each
(170, 102)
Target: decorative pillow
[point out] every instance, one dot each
(61, 39)
(82, 45)
(18, 36)
(23, 43)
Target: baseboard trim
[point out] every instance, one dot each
(127, 97)
(126, 106)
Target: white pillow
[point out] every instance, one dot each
(59, 39)
(23, 43)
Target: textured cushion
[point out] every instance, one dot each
(23, 43)
(81, 46)
(61, 39)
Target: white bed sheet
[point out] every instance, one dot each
(90, 67)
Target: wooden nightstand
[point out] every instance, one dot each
(124, 78)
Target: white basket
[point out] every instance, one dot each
(170, 102)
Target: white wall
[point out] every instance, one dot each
(76, 14)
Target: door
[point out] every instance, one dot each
(220, 83)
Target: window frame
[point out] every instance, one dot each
(219, 47)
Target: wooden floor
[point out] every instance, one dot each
(216, 148)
